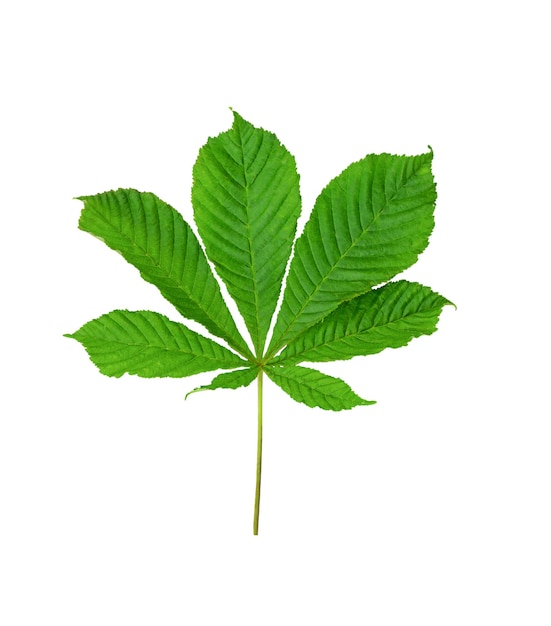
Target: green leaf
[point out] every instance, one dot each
(314, 388)
(229, 380)
(388, 317)
(150, 345)
(246, 202)
(154, 237)
(370, 223)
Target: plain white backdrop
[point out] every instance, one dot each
(121, 503)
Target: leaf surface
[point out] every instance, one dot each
(246, 202)
(154, 237)
(388, 317)
(314, 388)
(370, 223)
(230, 380)
(150, 345)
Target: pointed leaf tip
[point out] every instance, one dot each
(193, 391)
(238, 119)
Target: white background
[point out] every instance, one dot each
(123, 504)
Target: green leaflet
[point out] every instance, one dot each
(388, 317)
(153, 237)
(246, 204)
(369, 223)
(229, 380)
(150, 345)
(314, 388)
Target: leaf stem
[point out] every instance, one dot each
(258, 455)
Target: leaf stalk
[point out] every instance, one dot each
(258, 455)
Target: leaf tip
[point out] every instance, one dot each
(368, 402)
(236, 117)
(445, 302)
(193, 391)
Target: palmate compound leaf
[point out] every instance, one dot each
(370, 223)
(387, 317)
(154, 237)
(151, 346)
(246, 202)
(315, 389)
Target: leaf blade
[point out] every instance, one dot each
(315, 389)
(246, 203)
(154, 238)
(149, 345)
(387, 317)
(368, 224)
(229, 380)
